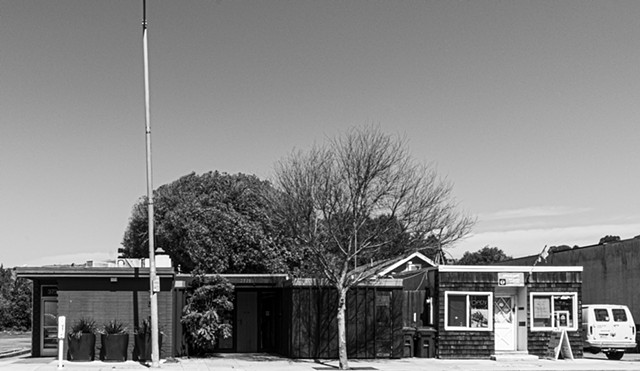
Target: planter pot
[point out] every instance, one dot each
(114, 347)
(142, 347)
(81, 349)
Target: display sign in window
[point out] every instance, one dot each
(554, 311)
(470, 311)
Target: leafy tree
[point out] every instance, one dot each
(555, 249)
(608, 239)
(209, 301)
(15, 301)
(214, 223)
(348, 200)
(486, 255)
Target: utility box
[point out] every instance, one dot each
(408, 346)
(425, 342)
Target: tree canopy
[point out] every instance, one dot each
(608, 239)
(214, 223)
(15, 301)
(486, 255)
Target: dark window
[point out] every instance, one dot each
(619, 315)
(457, 310)
(602, 315)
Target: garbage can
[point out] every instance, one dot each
(407, 343)
(425, 342)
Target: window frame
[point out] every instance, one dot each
(468, 294)
(552, 295)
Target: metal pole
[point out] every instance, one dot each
(154, 285)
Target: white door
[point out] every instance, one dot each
(504, 325)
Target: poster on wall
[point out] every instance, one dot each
(541, 307)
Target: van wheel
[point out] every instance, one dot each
(615, 356)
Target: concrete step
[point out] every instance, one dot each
(513, 356)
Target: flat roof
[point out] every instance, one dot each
(375, 282)
(506, 268)
(87, 272)
(244, 280)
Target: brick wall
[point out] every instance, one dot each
(126, 301)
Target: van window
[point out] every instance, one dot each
(619, 315)
(602, 315)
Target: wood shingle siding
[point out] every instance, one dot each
(481, 344)
(463, 344)
(555, 282)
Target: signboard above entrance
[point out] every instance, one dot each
(511, 279)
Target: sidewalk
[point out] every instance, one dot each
(264, 362)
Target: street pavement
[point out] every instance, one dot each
(265, 362)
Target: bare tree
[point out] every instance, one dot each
(332, 193)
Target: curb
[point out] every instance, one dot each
(15, 353)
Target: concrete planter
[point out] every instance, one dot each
(142, 347)
(114, 347)
(82, 348)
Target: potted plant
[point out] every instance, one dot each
(142, 343)
(82, 340)
(114, 341)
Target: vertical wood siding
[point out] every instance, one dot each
(374, 322)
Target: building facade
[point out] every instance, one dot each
(483, 311)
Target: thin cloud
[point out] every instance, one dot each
(532, 212)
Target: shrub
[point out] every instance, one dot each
(82, 326)
(209, 300)
(114, 328)
(143, 329)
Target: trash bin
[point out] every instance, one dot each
(425, 342)
(407, 343)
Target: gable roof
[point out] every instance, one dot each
(405, 260)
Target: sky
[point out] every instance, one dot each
(529, 108)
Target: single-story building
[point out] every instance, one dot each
(468, 311)
(272, 313)
(102, 294)
(484, 311)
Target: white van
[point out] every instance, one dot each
(609, 329)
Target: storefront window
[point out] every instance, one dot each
(468, 311)
(554, 310)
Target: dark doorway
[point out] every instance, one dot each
(268, 315)
(247, 321)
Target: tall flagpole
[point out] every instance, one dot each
(154, 284)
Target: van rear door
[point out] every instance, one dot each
(623, 326)
(610, 326)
